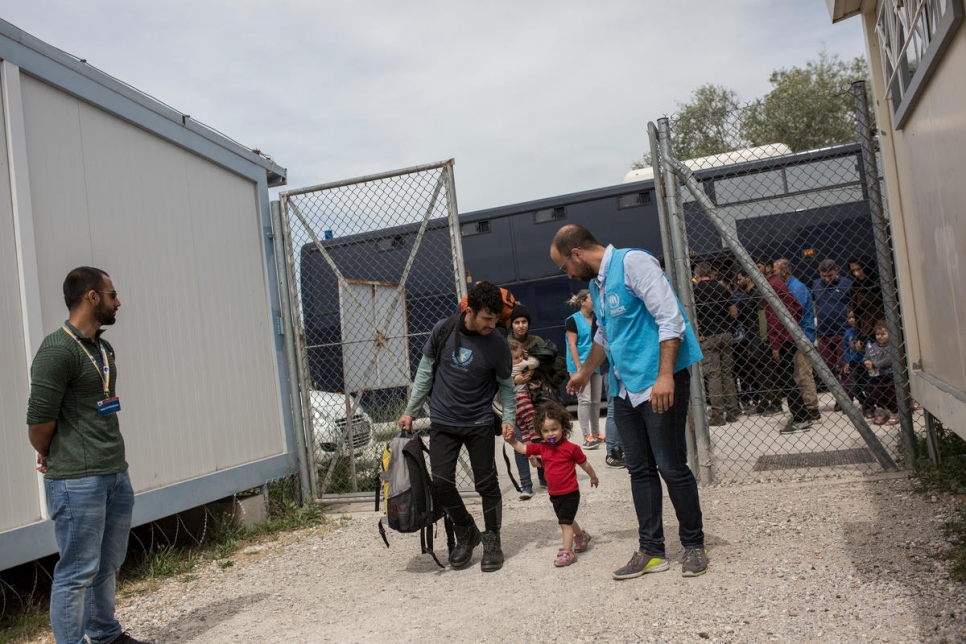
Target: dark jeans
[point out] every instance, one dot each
(523, 464)
(655, 443)
(832, 350)
(860, 386)
(770, 392)
(884, 392)
(444, 450)
(747, 356)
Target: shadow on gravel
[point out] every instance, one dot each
(542, 533)
(205, 618)
(894, 549)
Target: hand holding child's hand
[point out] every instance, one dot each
(508, 434)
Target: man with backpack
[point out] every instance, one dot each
(463, 365)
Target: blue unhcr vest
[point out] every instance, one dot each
(632, 332)
(585, 342)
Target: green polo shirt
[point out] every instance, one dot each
(65, 387)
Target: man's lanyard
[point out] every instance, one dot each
(103, 371)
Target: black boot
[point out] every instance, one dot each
(467, 538)
(492, 553)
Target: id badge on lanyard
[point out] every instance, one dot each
(110, 404)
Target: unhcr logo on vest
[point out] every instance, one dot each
(614, 302)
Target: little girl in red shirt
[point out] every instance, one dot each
(559, 458)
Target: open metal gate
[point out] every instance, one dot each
(373, 263)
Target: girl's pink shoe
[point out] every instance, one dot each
(564, 558)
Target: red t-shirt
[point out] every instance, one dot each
(777, 333)
(559, 463)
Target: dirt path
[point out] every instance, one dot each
(833, 560)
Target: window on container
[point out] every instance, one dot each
(549, 214)
(912, 39)
(475, 228)
(634, 200)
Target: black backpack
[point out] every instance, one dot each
(407, 488)
(552, 371)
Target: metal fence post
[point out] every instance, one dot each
(682, 271)
(456, 238)
(662, 216)
(279, 242)
(887, 280)
(302, 382)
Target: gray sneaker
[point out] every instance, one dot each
(796, 427)
(695, 562)
(641, 564)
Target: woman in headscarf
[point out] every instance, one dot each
(520, 327)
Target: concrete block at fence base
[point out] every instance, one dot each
(243, 511)
(250, 510)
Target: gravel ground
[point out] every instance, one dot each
(830, 560)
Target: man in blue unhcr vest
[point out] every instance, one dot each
(644, 334)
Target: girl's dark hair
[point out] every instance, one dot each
(881, 324)
(553, 411)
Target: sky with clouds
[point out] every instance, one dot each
(532, 98)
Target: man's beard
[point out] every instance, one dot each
(105, 314)
(583, 272)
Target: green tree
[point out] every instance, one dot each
(809, 107)
(706, 124)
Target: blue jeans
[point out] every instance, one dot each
(92, 521)
(612, 439)
(655, 443)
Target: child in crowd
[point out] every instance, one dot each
(878, 362)
(559, 457)
(854, 369)
(525, 431)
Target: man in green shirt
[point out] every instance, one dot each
(72, 423)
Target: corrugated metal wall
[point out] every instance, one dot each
(95, 173)
(923, 167)
(178, 236)
(19, 487)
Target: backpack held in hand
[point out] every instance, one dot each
(408, 492)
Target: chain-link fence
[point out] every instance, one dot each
(374, 263)
(783, 260)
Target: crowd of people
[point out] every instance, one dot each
(751, 362)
